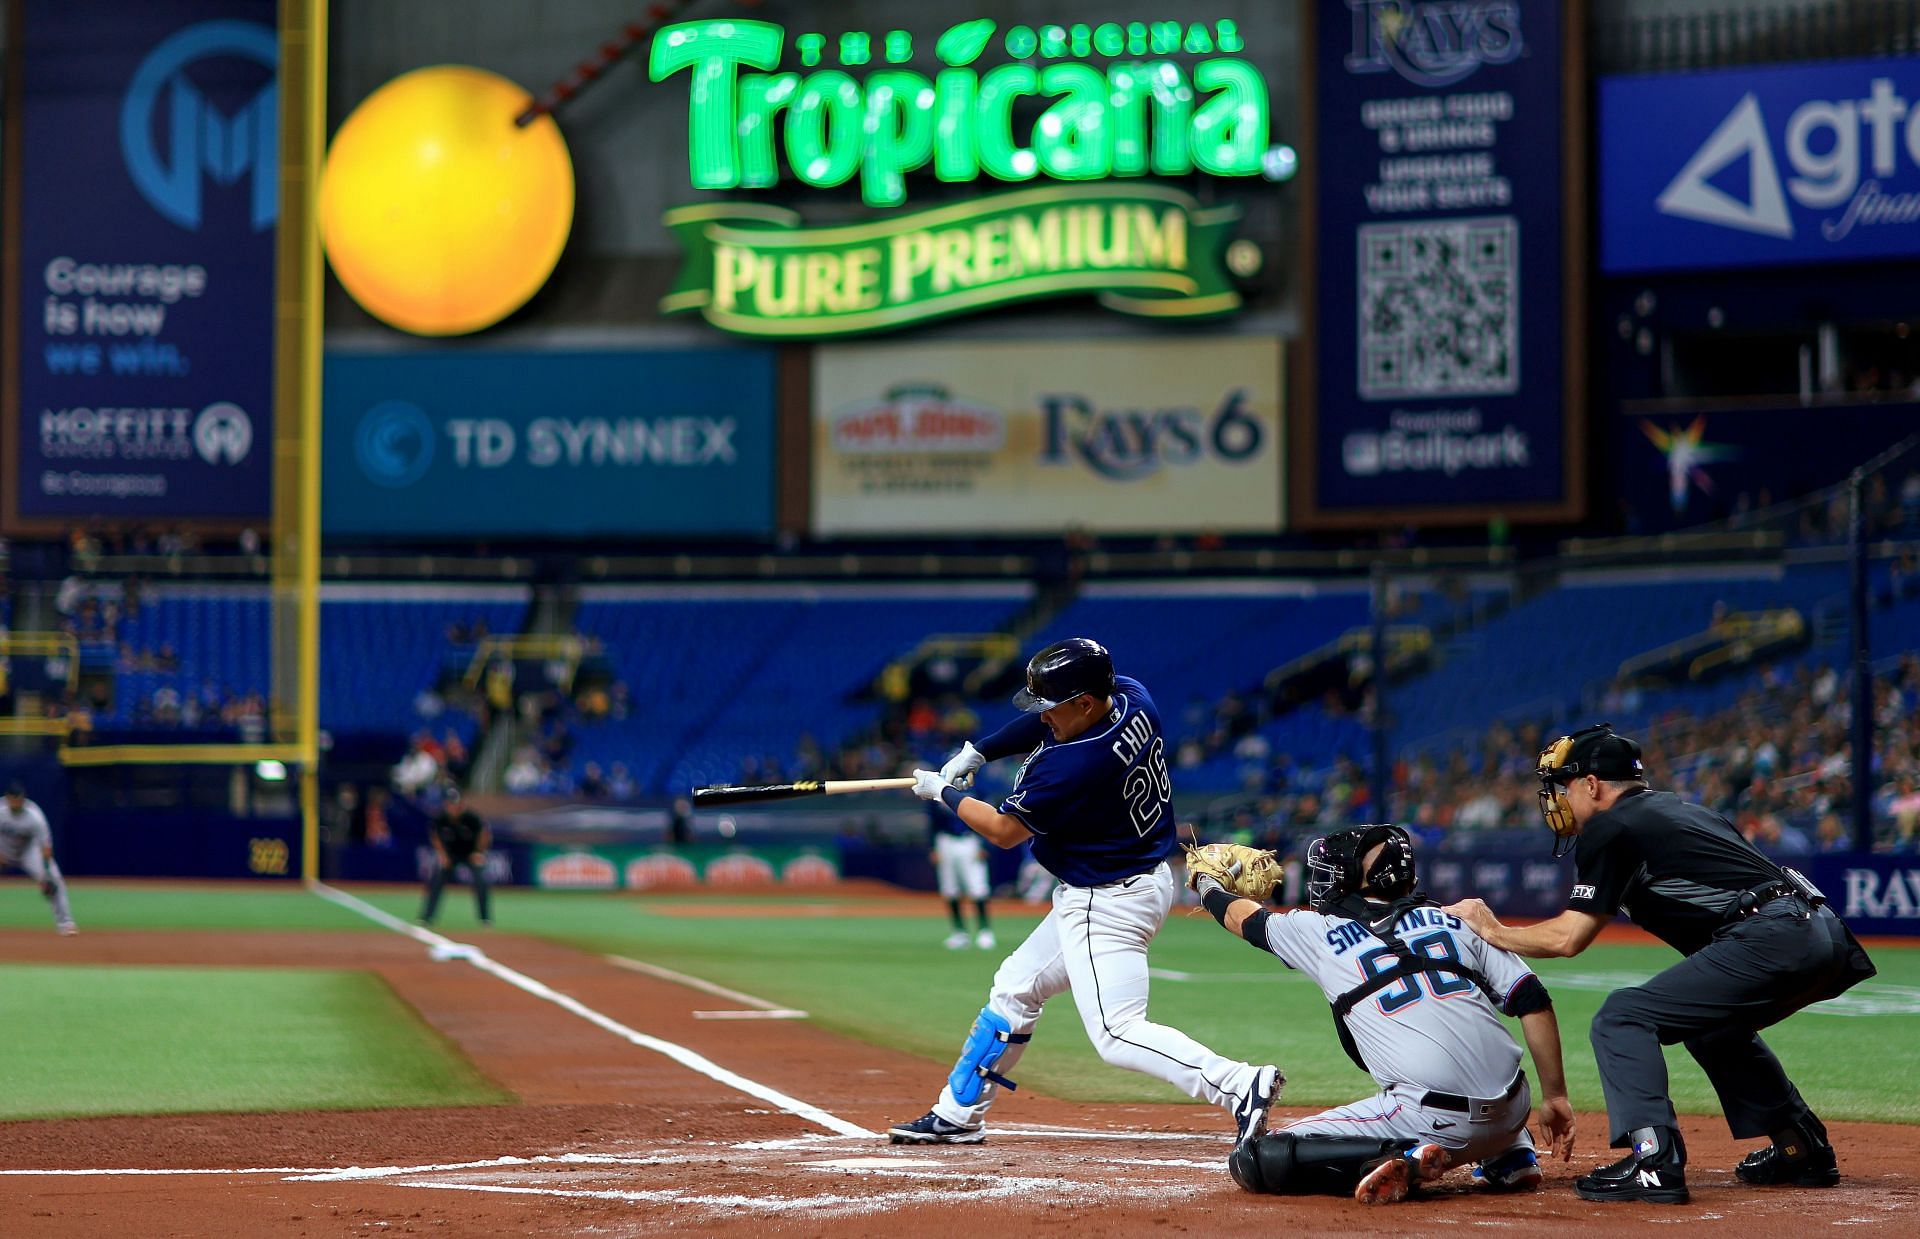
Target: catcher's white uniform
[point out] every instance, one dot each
(1448, 1069)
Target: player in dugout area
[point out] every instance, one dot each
(1093, 795)
(1417, 999)
(960, 867)
(26, 844)
(1760, 943)
(459, 837)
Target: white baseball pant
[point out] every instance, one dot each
(961, 866)
(1094, 942)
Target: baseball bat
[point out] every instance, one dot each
(704, 797)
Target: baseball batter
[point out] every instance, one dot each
(26, 844)
(1417, 999)
(1094, 796)
(960, 867)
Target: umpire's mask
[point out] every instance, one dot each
(1594, 750)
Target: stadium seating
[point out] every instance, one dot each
(380, 647)
(1549, 652)
(717, 676)
(1200, 638)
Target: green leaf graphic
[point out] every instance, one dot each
(962, 45)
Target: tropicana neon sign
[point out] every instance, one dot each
(1135, 117)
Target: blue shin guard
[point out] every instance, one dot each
(989, 1039)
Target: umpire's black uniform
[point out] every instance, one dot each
(459, 835)
(1758, 945)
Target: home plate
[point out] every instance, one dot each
(878, 1163)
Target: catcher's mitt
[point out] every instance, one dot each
(1247, 872)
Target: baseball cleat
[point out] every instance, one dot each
(930, 1128)
(1516, 1170)
(1391, 1181)
(959, 940)
(1654, 1170)
(1778, 1166)
(985, 940)
(68, 929)
(1250, 1114)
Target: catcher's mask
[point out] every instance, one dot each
(1594, 750)
(1333, 864)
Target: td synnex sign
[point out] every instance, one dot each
(550, 443)
(1793, 164)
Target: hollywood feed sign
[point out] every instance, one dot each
(858, 112)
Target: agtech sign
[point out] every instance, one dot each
(858, 112)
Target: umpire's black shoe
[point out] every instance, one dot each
(1655, 1171)
(1798, 1157)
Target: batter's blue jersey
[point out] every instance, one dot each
(1100, 806)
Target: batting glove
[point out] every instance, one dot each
(928, 784)
(960, 767)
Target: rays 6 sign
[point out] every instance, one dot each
(1752, 167)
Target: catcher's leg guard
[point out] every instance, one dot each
(1284, 1164)
(990, 1043)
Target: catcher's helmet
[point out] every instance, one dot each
(1063, 671)
(1333, 864)
(1594, 750)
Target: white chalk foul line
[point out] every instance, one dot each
(778, 1013)
(335, 1174)
(519, 980)
(131, 1170)
(704, 986)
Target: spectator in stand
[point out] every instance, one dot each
(620, 784)
(593, 783)
(523, 772)
(419, 768)
(1904, 808)
(453, 754)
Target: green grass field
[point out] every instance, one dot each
(91, 1039)
(887, 980)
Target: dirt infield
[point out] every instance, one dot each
(609, 1138)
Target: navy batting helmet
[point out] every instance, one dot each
(1063, 671)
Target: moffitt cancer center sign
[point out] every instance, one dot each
(1171, 99)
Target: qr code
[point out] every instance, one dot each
(1439, 308)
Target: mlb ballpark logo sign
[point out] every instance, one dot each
(1753, 167)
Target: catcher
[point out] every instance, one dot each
(1416, 999)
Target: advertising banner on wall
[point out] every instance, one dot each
(1113, 436)
(1439, 321)
(611, 866)
(1073, 120)
(1760, 166)
(466, 443)
(147, 195)
(1683, 469)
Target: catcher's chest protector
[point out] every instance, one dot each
(1380, 920)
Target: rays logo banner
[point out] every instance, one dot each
(1760, 167)
(148, 171)
(1438, 325)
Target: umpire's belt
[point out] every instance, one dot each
(1477, 1109)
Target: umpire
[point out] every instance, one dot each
(459, 837)
(1760, 943)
